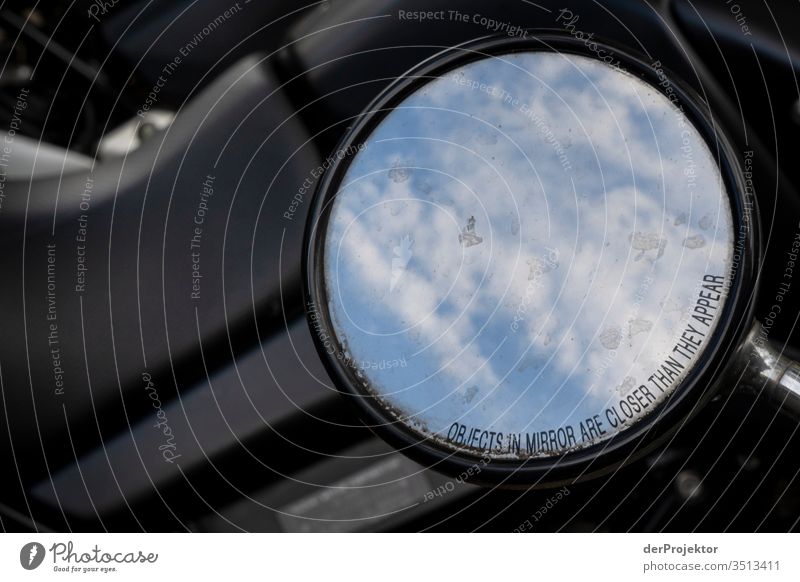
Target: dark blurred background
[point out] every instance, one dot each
(121, 111)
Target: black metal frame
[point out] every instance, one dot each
(698, 387)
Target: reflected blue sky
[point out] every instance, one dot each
(532, 248)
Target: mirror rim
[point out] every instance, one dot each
(700, 385)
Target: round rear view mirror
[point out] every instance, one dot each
(536, 258)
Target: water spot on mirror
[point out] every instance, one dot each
(401, 171)
(697, 241)
(627, 385)
(638, 326)
(646, 242)
(470, 393)
(611, 337)
(468, 237)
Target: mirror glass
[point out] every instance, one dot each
(527, 255)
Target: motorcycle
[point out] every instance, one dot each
(399, 266)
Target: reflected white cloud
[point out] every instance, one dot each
(499, 335)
